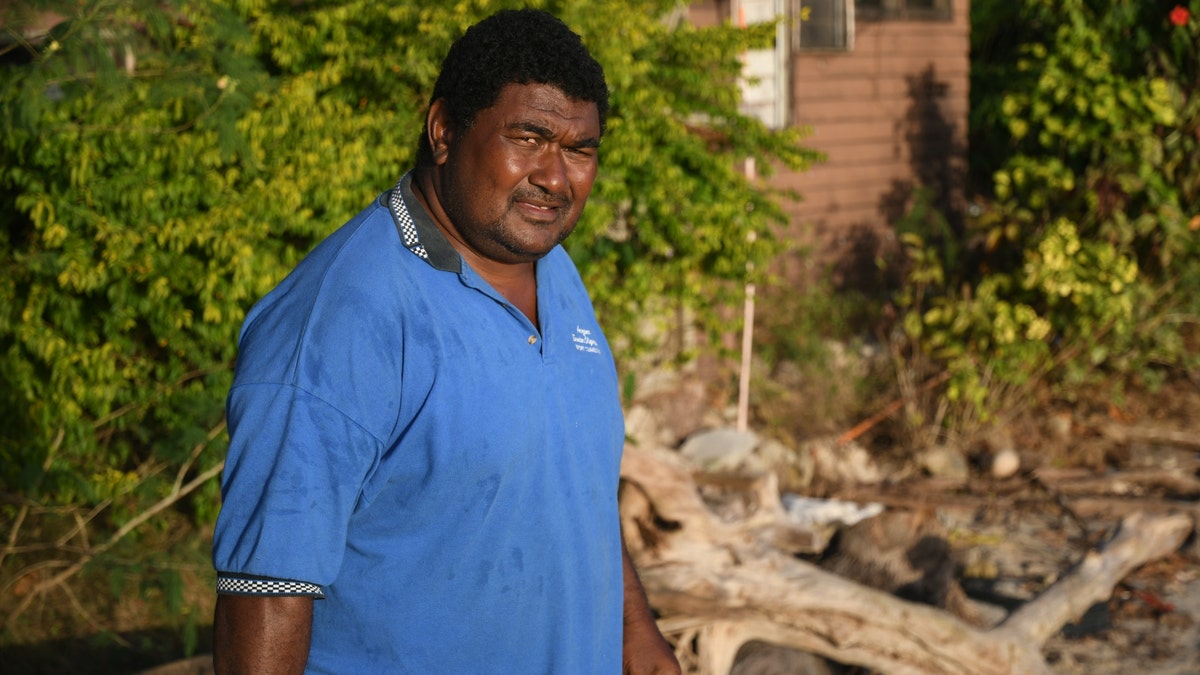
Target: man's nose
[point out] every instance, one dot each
(550, 174)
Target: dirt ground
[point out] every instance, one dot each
(1147, 456)
(1012, 550)
(1084, 466)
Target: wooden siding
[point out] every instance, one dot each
(890, 116)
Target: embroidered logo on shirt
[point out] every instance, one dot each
(584, 342)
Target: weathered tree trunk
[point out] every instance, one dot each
(725, 584)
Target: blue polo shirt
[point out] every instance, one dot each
(407, 446)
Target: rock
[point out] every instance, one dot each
(1001, 459)
(680, 405)
(641, 426)
(943, 461)
(906, 554)
(719, 449)
(789, 465)
(1005, 463)
(761, 658)
(848, 464)
(775, 454)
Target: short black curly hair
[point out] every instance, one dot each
(524, 46)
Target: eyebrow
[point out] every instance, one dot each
(533, 128)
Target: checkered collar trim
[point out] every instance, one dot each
(417, 230)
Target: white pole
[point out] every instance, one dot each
(743, 409)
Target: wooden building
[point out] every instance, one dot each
(883, 84)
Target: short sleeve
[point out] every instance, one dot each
(293, 475)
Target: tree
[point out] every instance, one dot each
(1086, 127)
(164, 164)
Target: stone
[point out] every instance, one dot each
(944, 461)
(1005, 463)
(723, 449)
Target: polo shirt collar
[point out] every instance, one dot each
(417, 230)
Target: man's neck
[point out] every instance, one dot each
(517, 282)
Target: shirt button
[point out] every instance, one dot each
(532, 339)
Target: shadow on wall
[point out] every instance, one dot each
(869, 260)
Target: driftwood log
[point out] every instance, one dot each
(718, 584)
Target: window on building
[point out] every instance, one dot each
(826, 24)
(829, 24)
(912, 10)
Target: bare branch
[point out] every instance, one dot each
(178, 492)
(15, 531)
(1140, 538)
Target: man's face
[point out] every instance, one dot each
(514, 184)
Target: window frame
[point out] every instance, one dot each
(899, 10)
(795, 10)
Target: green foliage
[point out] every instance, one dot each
(1002, 326)
(164, 164)
(671, 216)
(1086, 115)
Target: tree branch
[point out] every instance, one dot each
(178, 491)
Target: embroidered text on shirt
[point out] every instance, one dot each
(584, 341)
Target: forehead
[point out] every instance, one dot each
(545, 105)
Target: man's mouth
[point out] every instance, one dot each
(541, 205)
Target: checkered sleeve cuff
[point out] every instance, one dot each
(240, 584)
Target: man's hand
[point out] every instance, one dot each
(645, 651)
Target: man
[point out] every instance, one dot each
(425, 427)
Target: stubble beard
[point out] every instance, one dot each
(504, 230)
(564, 222)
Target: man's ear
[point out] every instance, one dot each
(440, 130)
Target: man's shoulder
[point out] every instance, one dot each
(370, 232)
(363, 253)
(358, 271)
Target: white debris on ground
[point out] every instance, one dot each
(812, 511)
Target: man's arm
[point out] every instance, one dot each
(646, 651)
(261, 635)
